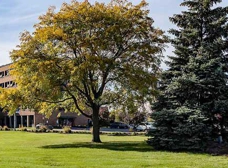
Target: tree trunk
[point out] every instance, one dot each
(96, 126)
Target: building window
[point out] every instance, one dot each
(1, 74)
(13, 84)
(2, 85)
(7, 73)
(10, 84)
(7, 84)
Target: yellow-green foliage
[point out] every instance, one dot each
(66, 129)
(88, 55)
(91, 53)
(11, 99)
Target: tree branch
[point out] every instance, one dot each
(76, 103)
(60, 101)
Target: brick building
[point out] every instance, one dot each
(31, 118)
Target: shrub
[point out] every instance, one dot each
(66, 129)
(33, 129)
(43, 128)
(0, 128)
(55, 131)
(22, 129)
(5, 128)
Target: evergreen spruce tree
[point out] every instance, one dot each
(192, 108)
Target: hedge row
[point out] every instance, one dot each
(69, 131)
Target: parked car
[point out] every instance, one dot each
(119, 125)
(145, 126)
(49, 127)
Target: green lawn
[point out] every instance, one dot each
(41, 150)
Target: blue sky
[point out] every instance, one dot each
(19, 15)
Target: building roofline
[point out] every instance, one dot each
(5, 65)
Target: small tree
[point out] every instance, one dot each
(86, 56)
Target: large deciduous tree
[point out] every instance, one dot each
(192, 107)
(89, 55)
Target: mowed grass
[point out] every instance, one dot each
(41, 150)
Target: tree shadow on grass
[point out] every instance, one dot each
(136, 146)
(115, 145)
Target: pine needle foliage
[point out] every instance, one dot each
(192, 108)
